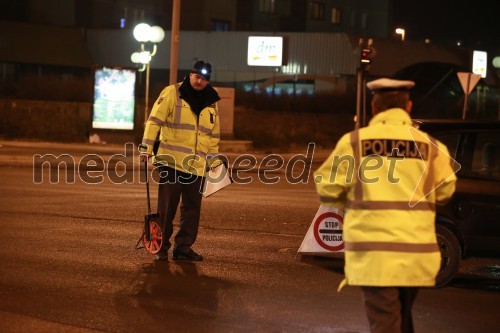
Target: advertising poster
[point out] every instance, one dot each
(114, 98)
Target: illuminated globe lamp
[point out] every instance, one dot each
(496, 62)
(144, 33)
(143, 58)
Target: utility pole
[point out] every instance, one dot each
(174, 41)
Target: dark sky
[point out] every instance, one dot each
(475, 22)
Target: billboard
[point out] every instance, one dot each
(265, 51)
(114, 98)
(480, 63)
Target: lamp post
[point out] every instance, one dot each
(174, 43)
(496, 64)
(144, 33)
(401, 31)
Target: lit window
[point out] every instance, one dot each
(336, 15)
(266, 6)
(317, 10)
(122, 23)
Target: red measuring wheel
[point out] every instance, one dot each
(153, 243)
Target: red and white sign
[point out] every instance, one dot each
(325, 232)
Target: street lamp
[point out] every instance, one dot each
(401, 31)
(496, 64)
(144, 33)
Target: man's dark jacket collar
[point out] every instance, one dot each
(198, 100)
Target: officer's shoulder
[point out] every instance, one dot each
(170, 88)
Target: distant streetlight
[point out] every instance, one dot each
(496, 62)
(144, 33)
(401, 31)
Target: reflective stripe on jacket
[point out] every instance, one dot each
(389, 176)
(187, 143)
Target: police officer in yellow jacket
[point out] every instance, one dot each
(389, 176)
(187, 118)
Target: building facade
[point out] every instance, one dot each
(66, 39)
(362, 17)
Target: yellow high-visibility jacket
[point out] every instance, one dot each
(388, 176)
(187, 143)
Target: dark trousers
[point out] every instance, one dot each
(174, 185)
(389, 308)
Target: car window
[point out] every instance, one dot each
(486, 157)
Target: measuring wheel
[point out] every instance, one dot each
(153, 245)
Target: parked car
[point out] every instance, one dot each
(469, 224)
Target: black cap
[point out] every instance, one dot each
(203, 69)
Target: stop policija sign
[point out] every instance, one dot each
(328, 231)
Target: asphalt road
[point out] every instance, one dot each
(69, 264)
